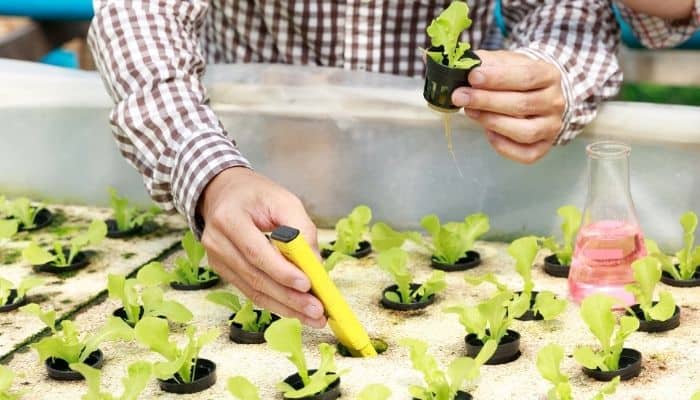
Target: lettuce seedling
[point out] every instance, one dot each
(444, 31)
(597, 313)
(24, 286)
(383, 237)
(67, 344)
(242, 389)
(394, 262)
(647, 273)
(6, 378)
(571, 217)
(126, 216)
(688, 257)
(350, 230)
(138, 375)
(186, 269)
(150, 298)
(180, 363)
(59, 256)
(8, 228)
(549, 365)
(284, 336)
(490, 319)
(245, 315)
(444, 385)
(374, 391)
(453, 240)
(21, 209)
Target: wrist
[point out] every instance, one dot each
(217, 186)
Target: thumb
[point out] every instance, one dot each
(500, 57)
(295, 216)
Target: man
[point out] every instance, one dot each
(559, 65)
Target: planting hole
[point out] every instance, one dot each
(380, 346)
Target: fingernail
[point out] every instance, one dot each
(476, 77)
(313, 311)
(461, 98)
(472, 113)
(301, 285)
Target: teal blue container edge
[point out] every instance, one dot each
(79, 10)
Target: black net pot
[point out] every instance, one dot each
(121, 313)
(391, 305)
(656, 326)
(80, 261)
(469, 261)
(204, 377)
(113, 231)
(59, 370)
(553, 268)
(692, 282)
(199, 285)
(42, 219)
(13, 302)
(332, 391)
(459, 396)
(530, 315)
(364, 248)
(441, 81)
(630, 366)
(508, 348)
(238, 335)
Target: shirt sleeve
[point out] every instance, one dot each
(580, 37)
(148, 54)
(657, 33)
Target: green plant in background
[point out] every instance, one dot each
(8, 228)
(657, 93)
(150, 299)
(242, 389)
(245, 315)
(24, 286)
(688, 257)
(187, 269)
(490, 319)
(59, 257)
(444, 31)
(549, 365)
(67, 344)
(180, 361)
(6, 378)
(453, 240)
(138, 375)
(384, 237)
(350, 230)
(374, 391)
(444, 385)
(647, 273)
(571, 217)
(284, 336)
(597, 313)
(21, 209)
(394, 262)
(126, 216)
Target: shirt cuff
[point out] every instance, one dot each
(566, 133)
(200, 159)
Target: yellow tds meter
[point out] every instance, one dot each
(342, 320)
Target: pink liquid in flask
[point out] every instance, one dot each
(602, 260)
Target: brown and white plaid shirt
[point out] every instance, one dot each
(152, 54)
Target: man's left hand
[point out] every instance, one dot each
(519, 102)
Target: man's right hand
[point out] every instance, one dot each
(237, 206)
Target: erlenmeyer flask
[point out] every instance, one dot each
(610, 237)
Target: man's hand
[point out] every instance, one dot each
(518, 101)
(238, 205)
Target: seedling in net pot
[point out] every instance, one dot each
(549, 365)
(66, 257)
(183, 371)
(242, 389)
(653, 316)
(127, 220)
(188, 273)
(449, 384)
(12, 298)
(558, 263)
(27, 216)
(247, 324)
(349, 233)
(611, 359)
(147, 302)
(66, 346)
(384, 237)
(489, 321)
(6, 378)
(453, 243)
(406, 295)
(138, 375)
(685, 273)
(8, 228)
(285, 336)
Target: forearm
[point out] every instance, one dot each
(676, 10)
(149, 57)
(661, 25)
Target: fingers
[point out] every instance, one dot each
(516, 104)
(524, 153)
(503, 70)
(519, 130)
